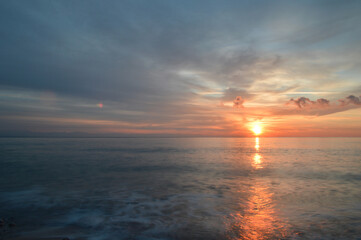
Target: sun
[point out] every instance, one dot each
(257, 129)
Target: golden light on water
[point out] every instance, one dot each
(256, 146)
(257, 157)
(257, 161)
(259, 218)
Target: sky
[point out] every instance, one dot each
(180, 68)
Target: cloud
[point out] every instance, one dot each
(127, 55)
(306, 103)
(305, 106)
(238, 102)
(350, 100)
(230, 93)
(303, 102)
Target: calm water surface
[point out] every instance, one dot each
(197, 188)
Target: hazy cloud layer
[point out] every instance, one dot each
(164, 65)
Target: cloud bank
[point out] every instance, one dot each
(164, 66)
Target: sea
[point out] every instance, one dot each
(180, 188)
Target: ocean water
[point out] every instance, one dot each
(185, 188)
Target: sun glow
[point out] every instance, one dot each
(257, 129)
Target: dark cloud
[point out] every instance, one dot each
(323, 102)
(238, 102)
(305, 106)
(350, 100)
(303, 102)
(306, 103)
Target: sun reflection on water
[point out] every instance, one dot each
(256, 146)
(257, 161)
(257, 157)
(258, 219)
